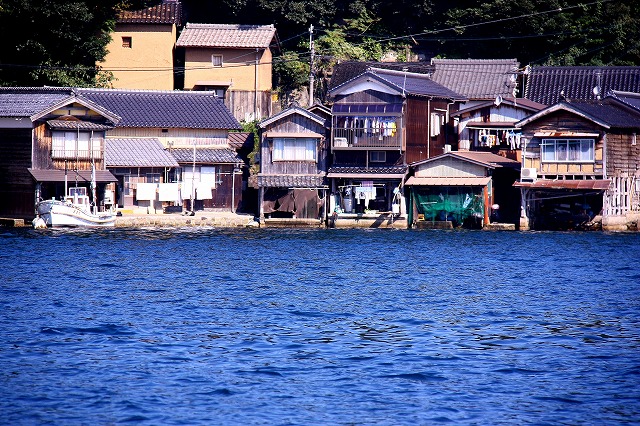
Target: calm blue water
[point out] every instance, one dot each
(207, 327)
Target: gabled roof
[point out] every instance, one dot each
(627, 98)
(345, 71)
(206, 155)
(476, 78)
(520, 103)
(402, 83)
(227, 35)
(549, 85)
(169, 12)
(481, 158)
(607, 113)
(136, 152)
(292, 110)
(168, 109)
(37, 102)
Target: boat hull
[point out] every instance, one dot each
(57, 213)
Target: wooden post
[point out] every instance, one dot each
(485, 193)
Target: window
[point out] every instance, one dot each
(153, 177)
(377, 156)
(126, 42)
(216, 60)
(567, 150)
(74, 144)
(294, 149)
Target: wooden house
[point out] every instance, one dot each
(382, 120)
(581, 162)
(293, 165)
(463, 189)
(142, 47)
(50, 139)
(193, 127)
(233, 61)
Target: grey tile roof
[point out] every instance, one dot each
(370, 170)
(28, 101)
(607, 111)
(476, 78)
(345, 71)
(548, 85)
(290, 181)
(169, 12)
(241, 140)
(291, 111)
(137, 152)
(226, 35)
(631, 99)
(169, 109)
(77, 124)
(206, 155)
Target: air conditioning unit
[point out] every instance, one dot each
(530, 173)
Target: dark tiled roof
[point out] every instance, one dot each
(476, 78)
(137, 152)
(345, 71)
(28, 101)
(631, 99)
(77, 125)
(608, 111)
(416, 84)
(290, 111)
(290, 181)
(392, 170)
(169, 12)
(226, 35)
(517, 103)
(206, 155)
(155, 108)
(545, 84)
(241, 140)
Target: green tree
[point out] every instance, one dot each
(54, 42)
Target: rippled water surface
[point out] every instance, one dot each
(208, 326)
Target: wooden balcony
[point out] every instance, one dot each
(71, 154)
(365, 138)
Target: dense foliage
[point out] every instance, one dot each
(59, 41)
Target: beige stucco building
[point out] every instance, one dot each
(233, 60)
(141, 51)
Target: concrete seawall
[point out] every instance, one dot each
(213, 219)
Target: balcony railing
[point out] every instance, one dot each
(356, 138)
(64, 154)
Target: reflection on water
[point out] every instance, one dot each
(206, 326)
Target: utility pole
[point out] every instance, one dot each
(311, 73)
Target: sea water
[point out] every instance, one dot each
(317, 327)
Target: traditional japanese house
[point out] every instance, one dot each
(293, 165)
(193, 127)
(581, 162)
(383, 120)
(463, 189)
(233, 61)
(50, 140)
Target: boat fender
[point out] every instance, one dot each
(39, 223)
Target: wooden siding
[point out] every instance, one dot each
(294, 123)
(17, 191)
(181, 137)
(417, 136)
(241, 103)
(450, 167)
(561, 121)
(623, 157)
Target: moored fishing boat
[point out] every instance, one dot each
(75, 210)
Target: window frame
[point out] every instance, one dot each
(567, 150)
(382, 154)
(217, 56)
(127, 42)
(294, 149)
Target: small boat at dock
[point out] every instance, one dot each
(74, 210)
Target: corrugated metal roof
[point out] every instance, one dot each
(137, 152)
(447, 181)
(169, 12)
(290, 181)
(206, 155)
(476, 78)
(157, 108)
(548, 85)
(593, 184)
(226, 35)
(51, 175)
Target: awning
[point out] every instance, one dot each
(293, 135)
(553, 134)
(586, 185)
(490, 125)
(447, 181)
(102, 176)
(366, 176)
(77, 125)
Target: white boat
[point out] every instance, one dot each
(75, 210)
